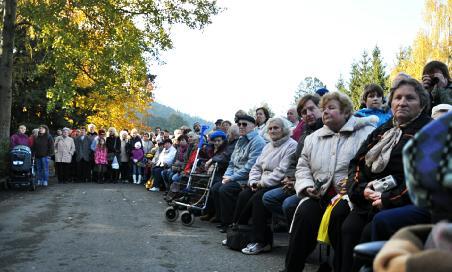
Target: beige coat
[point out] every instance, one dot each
(64, 149)
(326, 155)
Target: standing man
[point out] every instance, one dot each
(83, 155)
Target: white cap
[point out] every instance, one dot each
(440, 108)
(137, 145)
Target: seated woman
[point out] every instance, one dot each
(373, 100)
(266, 174)
(164, 161)
(180, 160)
(381, 157)
(320, 176)
(220, 157)
(424, 247)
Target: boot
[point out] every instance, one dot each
(139, 179)
(134, 179)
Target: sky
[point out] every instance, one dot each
(259, 51)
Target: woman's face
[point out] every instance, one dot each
(42, 130)
(217, 142)
(405, 104)
(275, 131)
(22, 129)
(373, 101)
(260, 117)
(225, 126)
(332, 115)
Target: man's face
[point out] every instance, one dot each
(82, 132)
(310, 113)
(292, 115)
(167, 145)
(245, 127)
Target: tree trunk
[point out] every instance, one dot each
(6, 68)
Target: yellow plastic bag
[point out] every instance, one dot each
(322, 236)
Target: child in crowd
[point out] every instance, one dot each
(373, 102)
(100, 158)
(137, 167)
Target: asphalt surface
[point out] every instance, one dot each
(113, 227)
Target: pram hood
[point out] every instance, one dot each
(20, 149)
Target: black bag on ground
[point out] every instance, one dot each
(239, 236)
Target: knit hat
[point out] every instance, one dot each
(322, 91)
(217, 134)
(137, 145)
(427, 160)
(245, 117)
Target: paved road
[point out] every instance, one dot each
(113, 227)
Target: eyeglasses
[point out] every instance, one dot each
(242, 124)
(273, 128)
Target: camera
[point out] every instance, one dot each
(384, 184)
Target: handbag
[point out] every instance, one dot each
(115, 164)
(238, 237)
(322, 236)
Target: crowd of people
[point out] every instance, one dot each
(329, 173)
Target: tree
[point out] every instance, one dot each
(431, 43)
(6, 67)
(93, 57)
(307, 86)
(364, 72)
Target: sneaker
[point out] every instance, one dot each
(44, 183)
(256, 249)
(224, 242)
(154, 189)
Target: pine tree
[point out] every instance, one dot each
(307, 86)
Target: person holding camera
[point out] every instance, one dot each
(266, 174)
(377, 182)
(436, 80)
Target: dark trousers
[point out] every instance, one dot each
(157, 175)
(305, 227)
(63, 171)
(113, 174)
(84, 171)
(388, 222)
(124, 168)
(355, 230)
(250, 205)
(227, 196)
(211, 205)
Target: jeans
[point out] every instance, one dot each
(137, 170)
(167, 175)
(42, 165)
(281, 204)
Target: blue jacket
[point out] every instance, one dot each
(246, 151)
(382, 115)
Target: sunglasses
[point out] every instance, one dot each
(239, 124)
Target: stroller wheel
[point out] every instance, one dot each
(171, 214)
(187, 218)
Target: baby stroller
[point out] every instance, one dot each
(192, 199)
(21, 172)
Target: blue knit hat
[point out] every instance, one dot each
(216, 134)
(322, 91)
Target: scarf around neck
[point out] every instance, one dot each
(378, 156)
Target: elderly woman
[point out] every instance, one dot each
(64, 149)
(380, 157)
(266, 174)
(320, 176)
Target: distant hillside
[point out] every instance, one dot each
(168, 118)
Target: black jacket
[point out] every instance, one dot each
(359, 174)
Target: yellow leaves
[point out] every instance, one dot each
(433, 41)
(83, 81)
